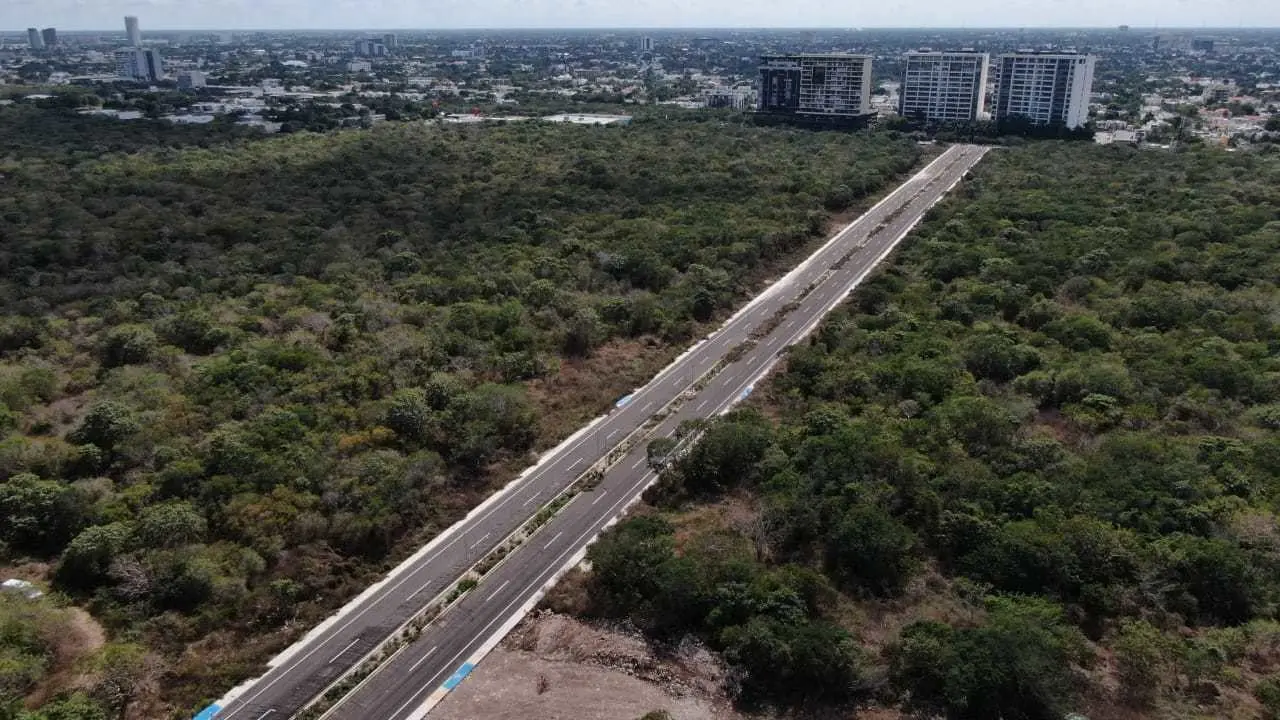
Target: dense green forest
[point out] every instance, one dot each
(1030, 468)
(240, 375)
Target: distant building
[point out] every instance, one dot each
(50, 37)
(1217, 94)
(816, 87)
(1124, 28)
(944, 86)
(356, 66)
(738, 98)
(391, 41)
(646, 44)
(369, 48)
(589, 119)
(1044, 88)
(34, 39)
(133, 31)
(139, 64)
(191, 79)
(1202, 45)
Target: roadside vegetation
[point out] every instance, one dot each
(240, 376)
(1032, 467)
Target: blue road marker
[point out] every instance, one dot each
(208, 713)
(458, 676)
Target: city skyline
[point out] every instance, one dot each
(178, 15)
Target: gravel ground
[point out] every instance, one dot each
(553, 667)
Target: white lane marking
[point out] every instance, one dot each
(422, 659)
(432, 685)
(288, 666)
(704, 359)
(790, 324)
(702, 405)
(343, 650)
(600, 496)
(495, 592)
(610, 435)
(636, 464)
(646, 407)
(531, 499)
(266, 713)
(482, 539)
(576, 463)
(552, 540)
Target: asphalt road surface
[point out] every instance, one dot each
(411, 683)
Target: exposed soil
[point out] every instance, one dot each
(553, 667)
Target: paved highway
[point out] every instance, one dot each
(422, 673)
(306, 669)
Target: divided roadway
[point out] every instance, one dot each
(421, 674)
(336, 646)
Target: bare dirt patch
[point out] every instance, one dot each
(79, 637)
(554, 667)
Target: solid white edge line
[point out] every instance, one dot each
(514, 619)
(408, 567)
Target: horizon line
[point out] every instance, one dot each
(700, 28)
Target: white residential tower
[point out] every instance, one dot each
(944, 86)
(1044, 88)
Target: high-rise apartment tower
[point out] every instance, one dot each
(830, 87)
(1044, 88)
(133, 31)
(34, 39)
(139, 64)
(944, 86)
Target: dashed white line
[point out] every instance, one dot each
(636, 464)
(600, 496)
(495, 592)
(647, 406)
(610, 435)
(702, 405)
(482, 539)
(424, 659)
(552, 540)
(343, 650)
(266, 713)
(531, 499)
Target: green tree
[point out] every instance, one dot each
(871, 552)
(127, 345)
(1018, 665)
(106, 425)
(40, 516)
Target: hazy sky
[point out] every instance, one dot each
(377, 14)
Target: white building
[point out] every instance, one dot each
(34, 39)
(1044, 88)
(139, 64)
(646, 44)
(133, 31)
(190, 79)
(944, 86)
